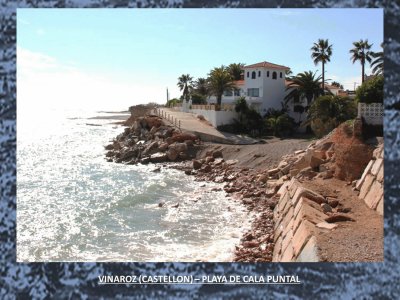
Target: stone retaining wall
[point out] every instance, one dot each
(370, 184)
(296, 216)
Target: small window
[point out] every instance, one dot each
(253, 92)
(247, 74)
(280, 75)
(274, 75)
(237, 92)
(253, 75)
(228, 93)
(267, 73)
(259, 73)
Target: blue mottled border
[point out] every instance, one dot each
(79, 280)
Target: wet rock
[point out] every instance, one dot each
(197, 164)
(145, 160)
(172, 154)
(109, 147)
(182, 155)
(161, 204)
(175, 205)
(217, 154)
(158, 157)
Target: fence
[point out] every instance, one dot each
(173, 120)
(371, 113)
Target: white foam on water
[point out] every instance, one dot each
(74, 206)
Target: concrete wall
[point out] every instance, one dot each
(216, 118)
(370, 184)
(296, 216)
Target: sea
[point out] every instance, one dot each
(73, 205)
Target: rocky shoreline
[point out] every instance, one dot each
(150, 139)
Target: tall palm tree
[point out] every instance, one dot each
(377, 64)
(236, 70)
(321, 53)
(361, 52)
(201, 86)
(185, 85)
(305, 85)
(220, 80)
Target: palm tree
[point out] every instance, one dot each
(361, 52)
(219, 81)
(185, 85)
(236, 70)
(305, 85)
(321, 53)
(337, 84)
(201, 86)
(377, 64)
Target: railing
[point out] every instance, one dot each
(170, 118)
(226, 107)
(371, 113)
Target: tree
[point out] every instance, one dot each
(377, 64)
(328, 111)
(185, 85)
(337, 84)
(304, 85)
(278, 122)
(361, 52)
(201, 86)
(371, 91)
(236, 70)
(321, 53)
(219, 81)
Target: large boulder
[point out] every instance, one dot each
(183, 136)
(172, 154)
(197, 164)
(158, 157)
(179, 147)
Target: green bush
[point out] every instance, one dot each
(173, 102)
(278, 123)
(371, 91)
(198, 99)
(328, 111)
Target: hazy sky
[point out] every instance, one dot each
(113, 58)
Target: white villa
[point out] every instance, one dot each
(264, 86)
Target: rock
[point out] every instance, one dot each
(344, 210)
(325, 225)
(188, 172)
(156, 170)
(299, 152)
(209, 159)
(338, 218)
(326, 207)
(151, 121)
(217, 154)
(150, 148)
(109, 147)
(158, 157)
(327, 174)
(110, 154)
(163, 147)
(153, 130)
(175, 205)
(184, 136)
(196, 164)
(179, 147)
(251, 244)
(189, 143)
(294, 172)
(273, 171)
(172, 154)
(262, 178)
(307, 172)
(206, 168)
(161, 204)
(169, 140)
(182, 155)
(145, 160)
(333, 202)
(129, 154)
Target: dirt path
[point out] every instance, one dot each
(258, 156)
(358, 241)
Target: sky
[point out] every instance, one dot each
(114, 58)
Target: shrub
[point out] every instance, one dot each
(328, 111)
(371, 91)
(278, 123)
(198, 99)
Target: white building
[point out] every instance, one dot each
(263, 86)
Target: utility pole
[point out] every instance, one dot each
(167, 96)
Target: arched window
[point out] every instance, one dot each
(274, 75)
(267, 73)
(247, 74)
(259, 73)
(253, 75)
(280, 75)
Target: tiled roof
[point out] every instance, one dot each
(239, 82)
(266, 64)
(328, 86)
